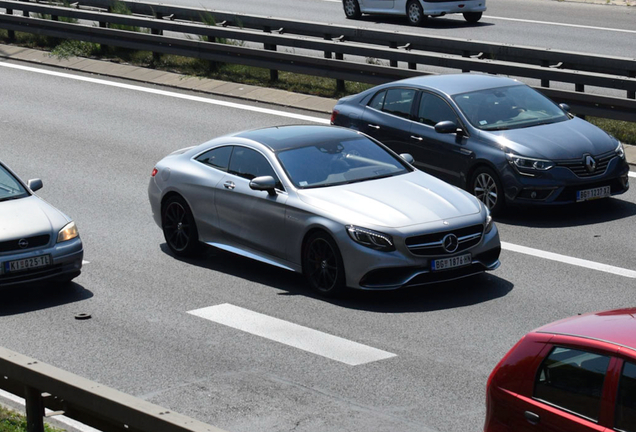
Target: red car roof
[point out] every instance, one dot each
(616, 326)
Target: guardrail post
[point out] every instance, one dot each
(156, 56)
(340, 84)
(579, 88)
(327, 53)
(545, 82)
(467, 55)
(34, 409)
(393, 63)
(273, 74)
(10, 33)
(102, 24)
(631, 94)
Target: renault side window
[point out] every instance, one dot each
(572, 380)
(249, 164)
(433, 110)
(218, 158)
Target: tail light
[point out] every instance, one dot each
(334, 114)
(154, 172)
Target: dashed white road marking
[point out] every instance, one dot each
(85, 262)
(632, 174)
(60, 418)
(304, 338)
(569, 260)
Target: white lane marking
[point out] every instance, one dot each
(221, 103)
(304, 338)
(569, 260)
(85, 262)
(168, 93)
(62, 419)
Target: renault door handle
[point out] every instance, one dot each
(374, 126)
(417, 138)
(532, 417)
(229, 185)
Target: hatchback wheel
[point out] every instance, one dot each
(323, 266)
(487, 187)
(472, 17)
(415, 13)
(179, 228)
(351, 9)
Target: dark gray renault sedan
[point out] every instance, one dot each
(495, 137)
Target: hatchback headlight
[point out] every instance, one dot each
(620, 150)
(372, 239)
(67, 233)
(529, 163)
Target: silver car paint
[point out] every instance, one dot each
(275, 235)
(398, 7)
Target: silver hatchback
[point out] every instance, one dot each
(37, 241)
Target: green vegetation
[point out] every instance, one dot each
(622, 130)
(10, 421)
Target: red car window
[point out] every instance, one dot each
(572, 380)
(626, 403)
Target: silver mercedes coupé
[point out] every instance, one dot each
(329, 202)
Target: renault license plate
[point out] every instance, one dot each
(27, 263)
(449, 263)
(592, 194)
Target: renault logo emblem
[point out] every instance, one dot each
(590, 164)
(450, 243)
(23, 243)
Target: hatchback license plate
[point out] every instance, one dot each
(27, 263)
(592, 194)
(448, 263)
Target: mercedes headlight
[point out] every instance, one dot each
(529, 163)
(67, 233)
(489, 223)
(620, 150)
(371, 239)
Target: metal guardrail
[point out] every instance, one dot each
(44, 386)
(592, 70)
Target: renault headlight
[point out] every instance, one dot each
(67, 233)
(371, 239)
(529, 163)
(620, 150)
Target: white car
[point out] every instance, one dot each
(415, 10)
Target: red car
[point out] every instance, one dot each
(577, 374)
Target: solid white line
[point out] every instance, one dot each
(569, 260)
(561, 24)
(304, 338)
(62, 419)
(168, 93)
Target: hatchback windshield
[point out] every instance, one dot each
(10, 188)
(340, 162)
(508, 108)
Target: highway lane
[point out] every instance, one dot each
(94, 147)
(589, 28)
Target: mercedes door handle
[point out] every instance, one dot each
(417, 138)
(532, 417)
(229, 185)
(374, 126)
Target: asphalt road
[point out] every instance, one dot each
(590, 28)
(95, 146)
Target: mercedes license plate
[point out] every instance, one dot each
(449, 263)
(27, 263)
(591, 194)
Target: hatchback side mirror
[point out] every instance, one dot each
(264, 183)
(407, 157)
(446, 127)
(35, 184)
(565, 107)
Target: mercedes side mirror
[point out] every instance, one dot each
(264, 183)
(35, 184)
(446, 127)
(565, 107)
(407, 157)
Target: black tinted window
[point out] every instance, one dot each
(573, 380)
(626, 404)
(398, 101)
(249, 164)
(218, 158)
(433, 110)
(378, 100)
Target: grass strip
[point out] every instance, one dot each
(11, 421)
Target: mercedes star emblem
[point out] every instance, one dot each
(450, 243)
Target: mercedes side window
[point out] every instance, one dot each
(433, 110)
(378, 100)
(573, 381)
(218, 158)
(398, 101)
(626, 403)
(249, 164)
